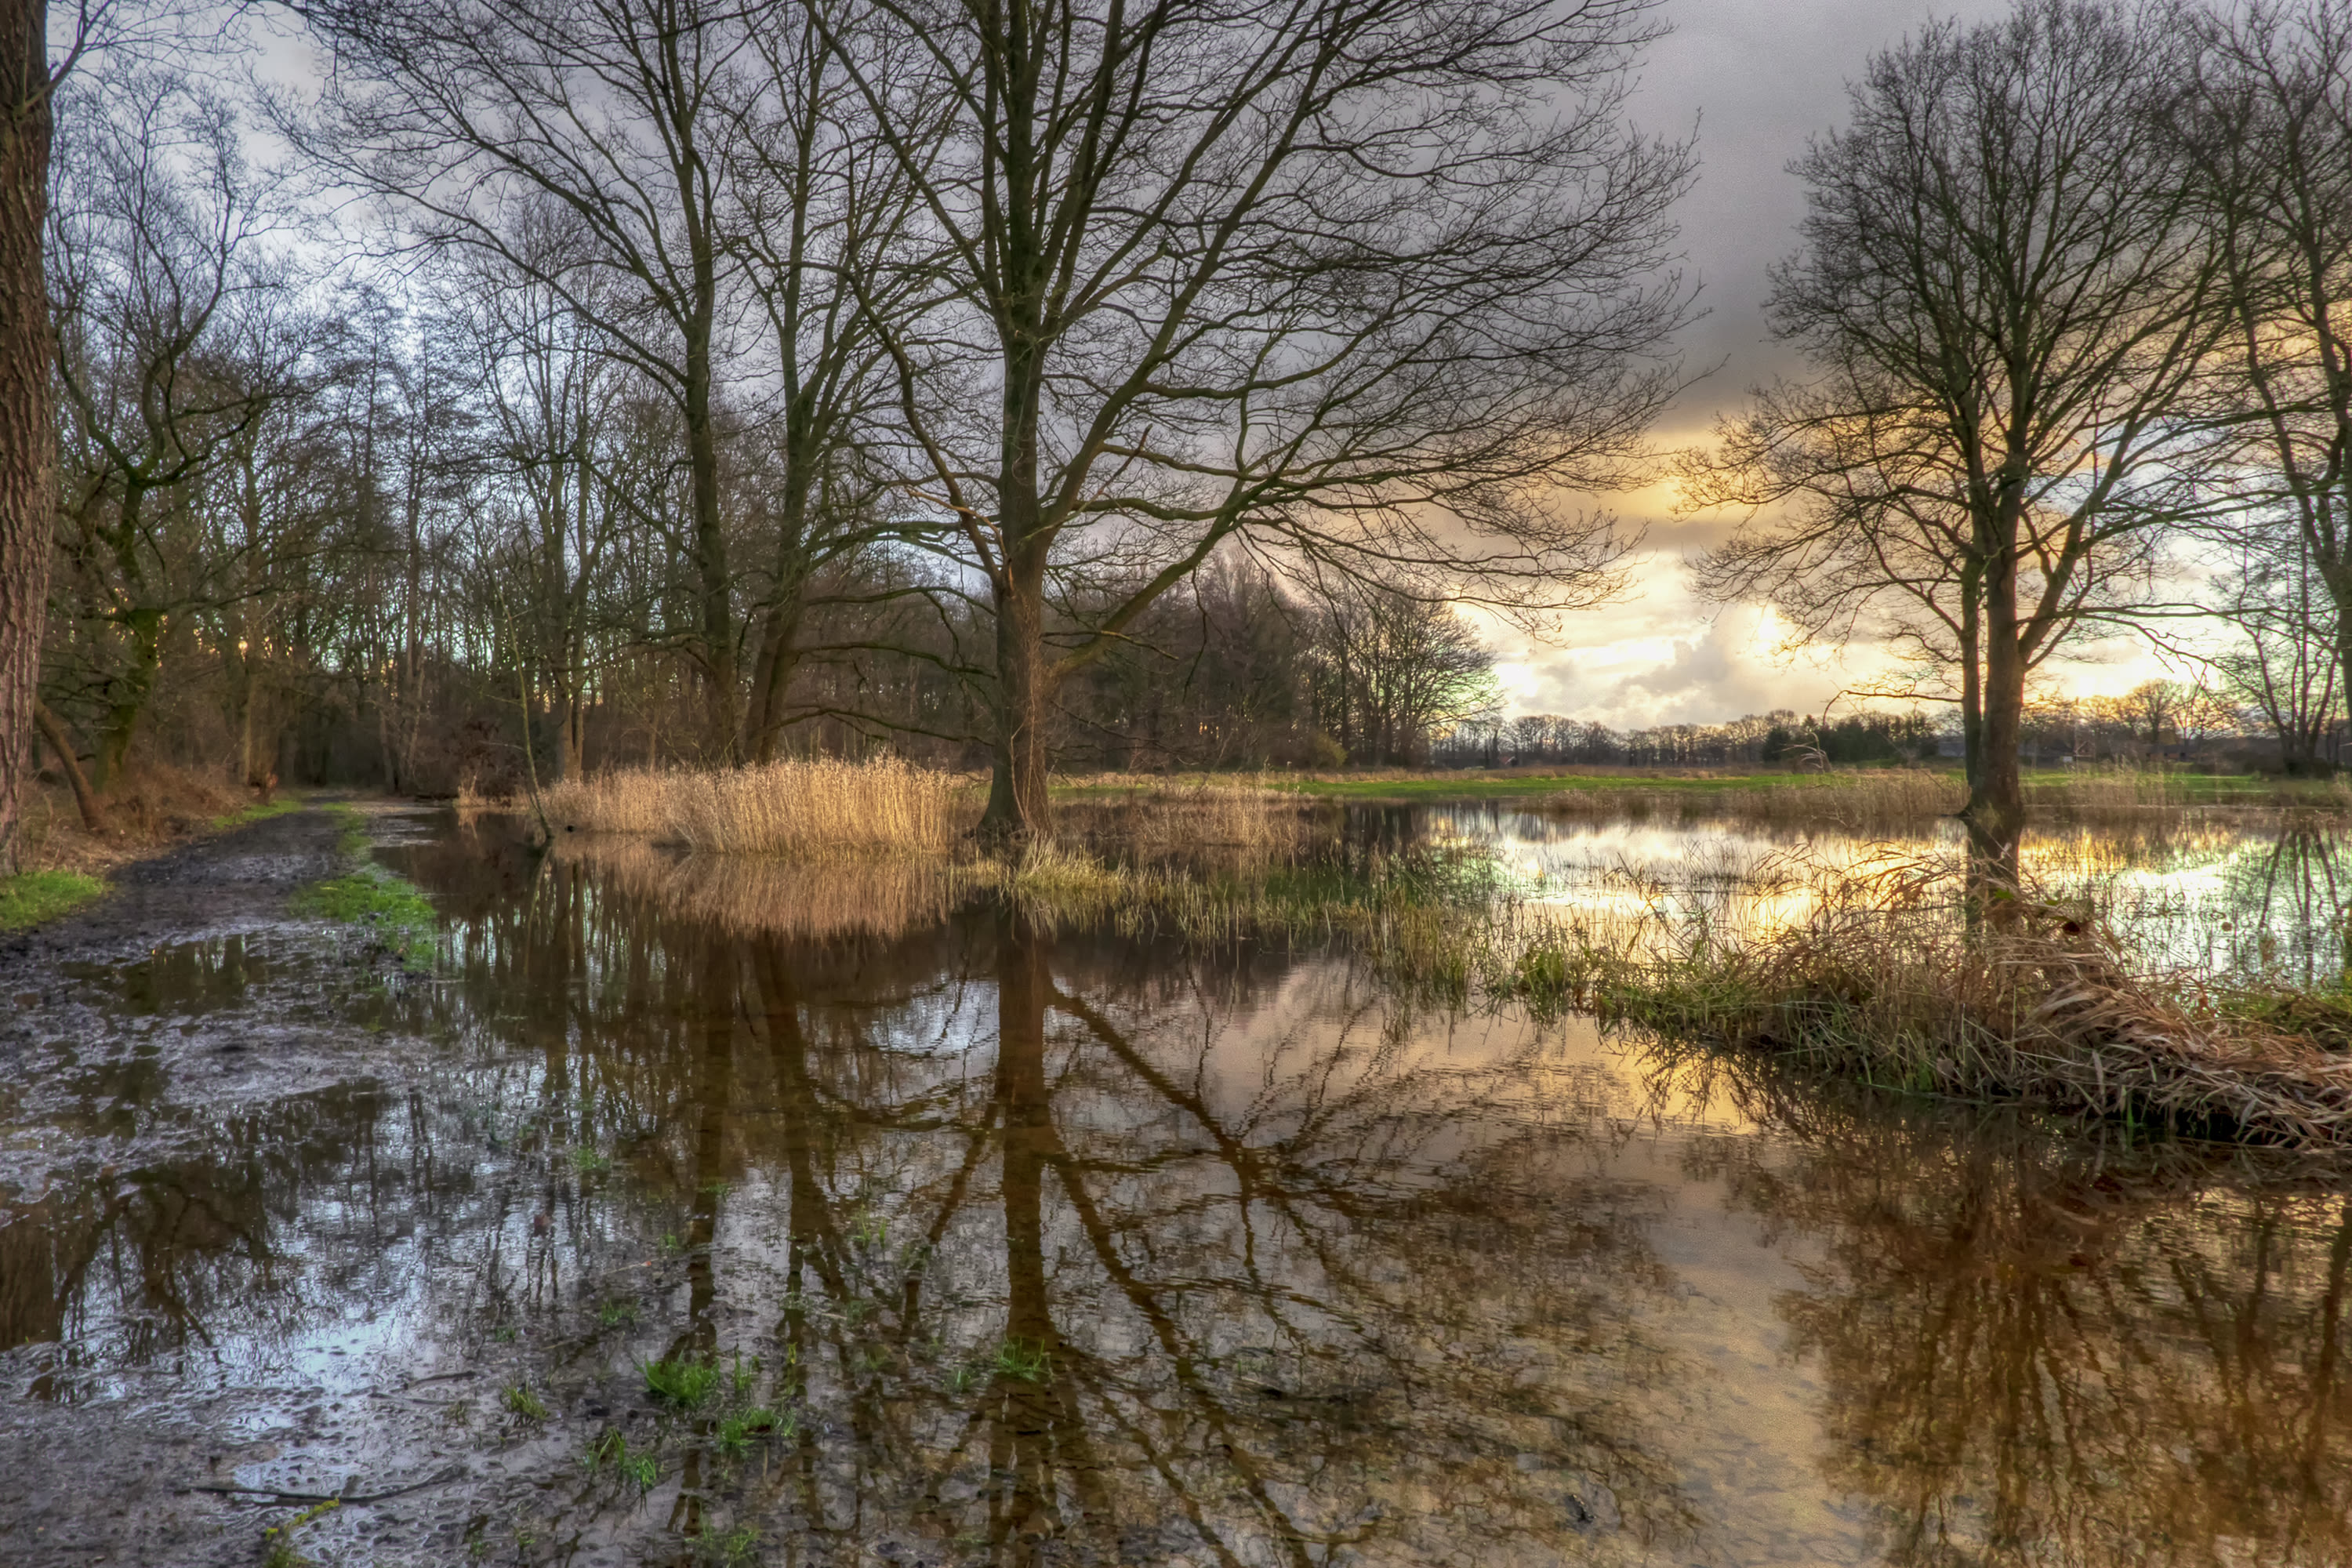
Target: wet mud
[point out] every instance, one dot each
(169, 1057)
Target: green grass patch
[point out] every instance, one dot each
(2322, 1016)
(611, 1452)
(392, 908)
(685, 1382)
(31, 897)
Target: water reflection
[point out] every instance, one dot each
(1069, 1241)
(2035, 1351)
(1063, 1246)
(2227, 895)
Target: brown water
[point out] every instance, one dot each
(1024, 1246)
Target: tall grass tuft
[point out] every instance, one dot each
(796, 809)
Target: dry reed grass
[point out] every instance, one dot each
(791, 808)
(1886, 980)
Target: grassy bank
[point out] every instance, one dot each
(1868, 970)
(154, 809)
(1866, 793)
(1880, 977)
(30, 898)
(1886, 979)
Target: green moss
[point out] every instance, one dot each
(392, 908)
(31, 897)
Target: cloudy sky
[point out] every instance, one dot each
(1755, 78)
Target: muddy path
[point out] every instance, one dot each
(190, 1073)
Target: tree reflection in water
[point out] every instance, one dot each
(1076, 1247)
(1064, 1252)
(2063, 1349)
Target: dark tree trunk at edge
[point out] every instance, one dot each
(28, 455)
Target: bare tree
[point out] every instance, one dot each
(2287, 667)
(468, 113)
(2268, 132)
(2011, 302)
(1369, 285)
(825, 242)
(174, 338)
(1392, 672)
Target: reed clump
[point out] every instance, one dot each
(1889, 981)
(788, 808)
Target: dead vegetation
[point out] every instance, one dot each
(813, 809)
(155, 806)
(820, 901)
(1875, 968)
(1885, 977)
(786, 808)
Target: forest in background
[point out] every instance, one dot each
(538, 386)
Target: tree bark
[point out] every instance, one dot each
(1997, 793)
(772, 676)
(1018, 809)
(28, 439)
(132, 689)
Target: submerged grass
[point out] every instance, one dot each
(684, 1380)
(392, 908)
(29, 897)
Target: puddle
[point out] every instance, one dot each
(976, 1244)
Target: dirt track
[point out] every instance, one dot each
(170, 1053)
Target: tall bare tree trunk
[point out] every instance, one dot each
(28, 450)
(1017, 807)
(1997, 801)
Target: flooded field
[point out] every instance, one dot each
(681, 1216)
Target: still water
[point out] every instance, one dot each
(1009, 1245)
